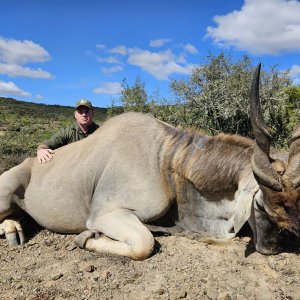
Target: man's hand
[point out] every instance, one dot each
(44, 155)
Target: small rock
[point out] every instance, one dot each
(57, 276)
(104, 275)
(180, 294)
(71, 247)
(31, 243)
(89, 268)
(160, 291)
(18, 278)
(224, 296)
(48, 242)
(211, 293)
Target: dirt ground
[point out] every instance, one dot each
(50, 266)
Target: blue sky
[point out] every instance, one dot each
(56, 52)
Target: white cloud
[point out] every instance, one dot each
(295, 70)
(122, 50)
(260, 27)
(111, 70)
(158, 43)
(111, 88)
(182, 59)
(19, 71)
(21, 52)
(109, 60)
(100, 46)
(190, 48)
(39, 97)
(14, 54)
(10, 88)
(295, 74)
(160, 64)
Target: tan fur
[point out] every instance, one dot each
(216, 167)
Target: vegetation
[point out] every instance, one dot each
(293, 106)
(24, 125)
(133, 98)
(216, 98)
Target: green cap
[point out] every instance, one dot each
(84, 102)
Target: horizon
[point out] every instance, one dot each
(55, 52)
(40, 103)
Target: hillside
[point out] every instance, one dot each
(23, 125)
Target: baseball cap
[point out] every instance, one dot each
(84, 102)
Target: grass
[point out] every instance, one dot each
(24, 125)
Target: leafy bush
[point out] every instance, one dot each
(216, 98)
(133, 98)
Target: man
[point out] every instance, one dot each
(83, 127)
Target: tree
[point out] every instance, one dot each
(216, 96)
(293, 113)
(294, 95)
(133, 98)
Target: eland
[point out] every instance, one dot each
(139, 170)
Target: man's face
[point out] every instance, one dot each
(84, 115)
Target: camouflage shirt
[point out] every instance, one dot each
(69, 135)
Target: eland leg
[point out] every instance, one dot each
(125, 235)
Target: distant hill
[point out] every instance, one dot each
(23, 125)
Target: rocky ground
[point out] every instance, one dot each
(49, 266)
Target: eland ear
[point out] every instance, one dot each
(261, 166)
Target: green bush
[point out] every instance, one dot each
(215, 98)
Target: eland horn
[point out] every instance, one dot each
(261, 166)
(293, 170)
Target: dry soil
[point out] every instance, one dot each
(50, 266)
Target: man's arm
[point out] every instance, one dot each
(45, 151)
